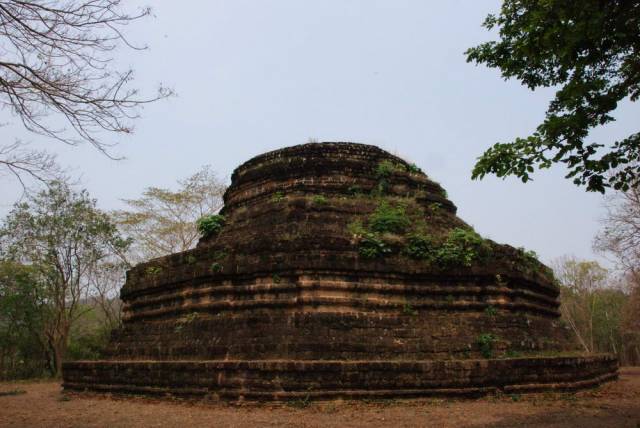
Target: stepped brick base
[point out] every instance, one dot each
(290, 380)
(340, 270)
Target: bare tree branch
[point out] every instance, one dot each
(55, 58)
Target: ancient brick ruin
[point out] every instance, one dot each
(340, 271)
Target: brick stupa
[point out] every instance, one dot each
(341, 271)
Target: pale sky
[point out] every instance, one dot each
(253, 76)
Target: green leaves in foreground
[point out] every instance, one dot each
(588, 49)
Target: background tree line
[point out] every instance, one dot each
(63, 261)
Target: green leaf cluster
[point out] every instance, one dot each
(461, 247)
(389, 218)
(210, 225)
(373, 246)
(319, 200)
(486, 342)
(586, 49)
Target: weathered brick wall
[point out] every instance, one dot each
(286, 380)
(285, 281)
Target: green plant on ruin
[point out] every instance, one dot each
(486, 343)
(276, 278)
(355, 190)
(153, 270)
(386, 169)
(512, 353)
(407, 309)
(219, 255)
(277, 197)
(435, 207)
(372, 246)
(188, 318)
(529, 258)
(420, 247)
(490, 311)
(184, 320)
(529, 262)
(461, 248)
(216, 267)
(381, 188)
(319, 200)
(414, 169)
(400, 224)
(190, 259)
(356, 228)
(210, 225)
(388, 218)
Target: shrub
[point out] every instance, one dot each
(490, 311)
(356, 228)
(216, 267)
(219, 255)
(277, 197)
(420, 247)
(414, 169)
(385, 169)
(354, 190)
(387, 218)
(485, 342)
(319, 200)
(462, 247)
(154, 270)
(372, 246)
(407, 309)
(210, 224)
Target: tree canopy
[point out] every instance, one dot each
(164, 221)
(64, 240)
(590, 51)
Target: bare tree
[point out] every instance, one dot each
(19, 161)
(105, 281)
(163, 221)
(56, 59)
(620, 235)
(580, 281)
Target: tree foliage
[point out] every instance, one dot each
(164, 221)
(590, 50)
(23, 350)
(65, 239)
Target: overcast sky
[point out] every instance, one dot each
(253, 76)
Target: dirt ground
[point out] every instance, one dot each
(42, 404)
